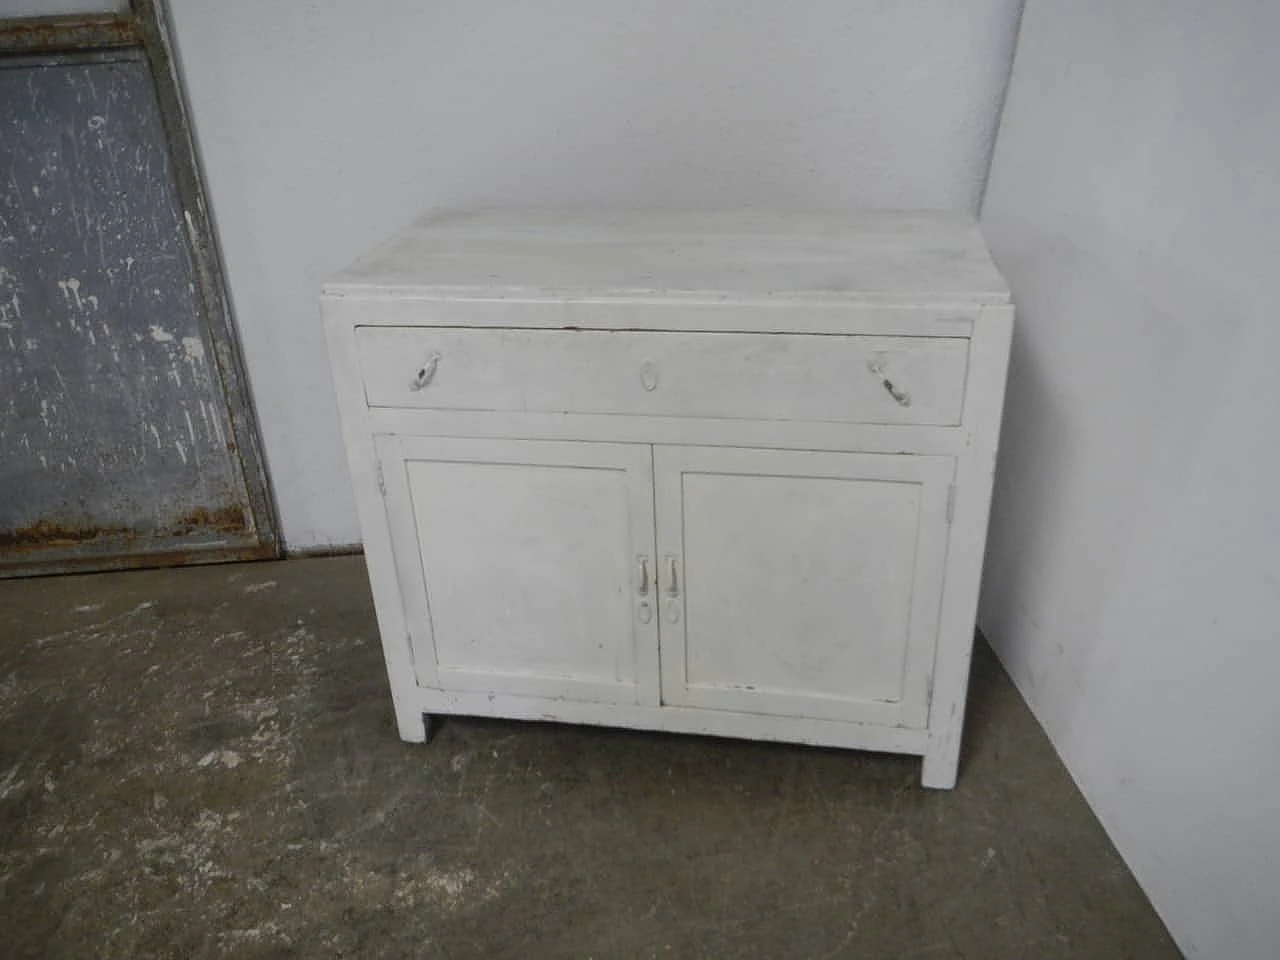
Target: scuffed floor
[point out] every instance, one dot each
(202, 763)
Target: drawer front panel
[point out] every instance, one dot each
(854, 379)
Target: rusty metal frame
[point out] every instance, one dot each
(68, 34)
(145, 27)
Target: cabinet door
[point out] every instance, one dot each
(526, 566)
(800, 584)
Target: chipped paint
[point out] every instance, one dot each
(105, 382)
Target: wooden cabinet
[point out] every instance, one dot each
(698, 473)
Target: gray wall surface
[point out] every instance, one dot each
(1133, 580)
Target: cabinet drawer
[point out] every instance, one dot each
(856, 379)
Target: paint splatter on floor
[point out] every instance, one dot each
(194, 764)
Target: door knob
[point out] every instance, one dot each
(672, 602)
(644, 610)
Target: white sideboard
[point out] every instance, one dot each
(725, 474)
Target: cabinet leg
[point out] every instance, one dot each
(941, 764)
(416, 726)
(412, 724)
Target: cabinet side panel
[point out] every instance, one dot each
(984, 407)
(362, 460)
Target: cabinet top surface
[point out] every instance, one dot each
(872, 257)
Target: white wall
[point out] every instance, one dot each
(325, 126)
(1133, 577)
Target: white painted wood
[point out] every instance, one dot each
(788, 435)
(718, 375)
(362, 458)
(975, 471)
(679, 312)
(517, 560)
(809, 581)
(866, 257)
(806, 554)
(713, 723)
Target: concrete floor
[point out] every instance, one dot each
(202, 763)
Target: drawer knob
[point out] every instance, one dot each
(900, 396)
(649, 375)
(425, 373)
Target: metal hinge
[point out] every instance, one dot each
(382, 482)
(951, 503)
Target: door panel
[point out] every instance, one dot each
(520, 559)
(807, 582)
